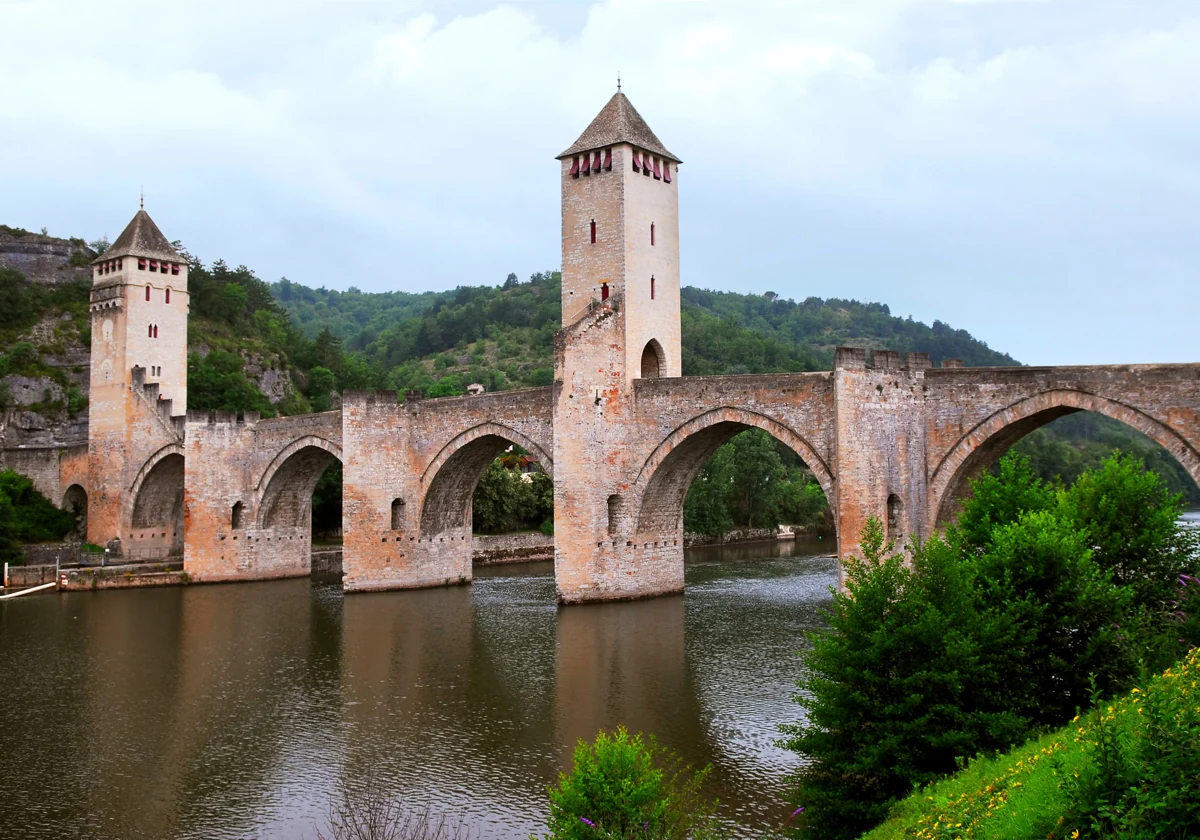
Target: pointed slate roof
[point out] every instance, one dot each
(141, 238)
(618, 122)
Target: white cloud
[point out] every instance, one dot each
(419, 137)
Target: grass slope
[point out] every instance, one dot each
(1129, 768)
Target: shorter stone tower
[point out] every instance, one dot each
(139, 313)
(620, 304)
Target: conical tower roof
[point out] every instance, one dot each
(141, 238)
(618, 122)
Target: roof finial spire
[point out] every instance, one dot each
(142, 201)
(618, 81)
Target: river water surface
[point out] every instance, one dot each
(235, 711)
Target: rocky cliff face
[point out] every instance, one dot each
(47, 260)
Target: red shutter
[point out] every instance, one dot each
(118, 264)
(608, 160)
(637, 161)
(174, 268)
(586, 169)
(141, 265)
(603, 291)
(667, 171)
(657, 171)
(575, 168)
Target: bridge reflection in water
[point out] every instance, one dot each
(235, 711)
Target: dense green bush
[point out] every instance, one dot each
(27, 516)
(508, 499)
(217, 382)
(627, 786)
(16, 300)
(988, 634)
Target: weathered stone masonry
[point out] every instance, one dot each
(620, 432)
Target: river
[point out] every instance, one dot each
(236, 711)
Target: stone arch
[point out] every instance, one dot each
(654, 360)
(158, 503)
(983, 445)
(288, 482)
(135, 489)
(290, 450)
(449, 480)
(75, 500)
(665, 477)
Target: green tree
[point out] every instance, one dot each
(999, 498)
(27, 516)
(985, 636)
(1130, 518)
(893, 689)
(232, 303)
(624, 785)
(1058, 614)
(321, 384)
(757, 475)
(16, 302)
(705, 510)
(217, 382)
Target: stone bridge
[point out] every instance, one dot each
(621, 432)
(899, 442)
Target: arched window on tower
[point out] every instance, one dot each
(593, 231)
(167, 298)
(603, 291)
(651, 287)
(652, 234)
(150, 331)
(156, 330)
(653, 362)
(147, 293)
(397, 514)
(236, 519)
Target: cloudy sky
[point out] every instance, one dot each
(1029, 171)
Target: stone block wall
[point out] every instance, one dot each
(409, 475)
(497, 549)
(879, 447)
(248, 489)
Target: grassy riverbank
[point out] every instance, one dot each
(1129, 768)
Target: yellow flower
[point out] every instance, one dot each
(1075, 834)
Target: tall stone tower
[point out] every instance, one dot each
(139, 312)
(620, 304)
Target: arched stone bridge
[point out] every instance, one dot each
(900, 442)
